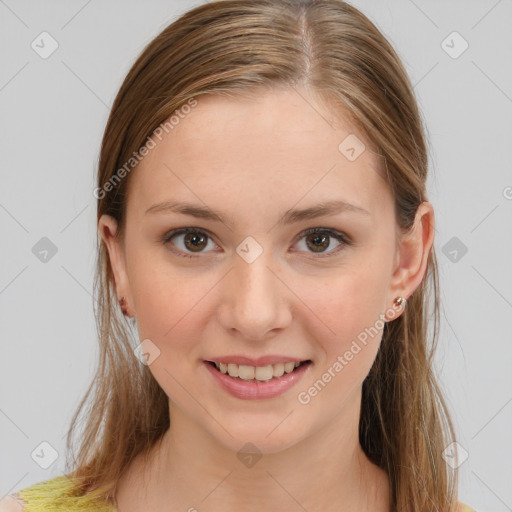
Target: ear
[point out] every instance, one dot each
(412, 254)
(107, 227)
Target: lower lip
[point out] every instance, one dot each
(255, 390)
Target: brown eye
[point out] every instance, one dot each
(188, 241)
(322, 241)
(195, 241)
(317, 242)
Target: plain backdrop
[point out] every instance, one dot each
(53, 112)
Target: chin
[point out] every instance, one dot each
(264, 437)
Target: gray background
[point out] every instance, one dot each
(53, 112)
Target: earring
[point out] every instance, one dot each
(124, 306)
(399, 301)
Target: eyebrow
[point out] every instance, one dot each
(289, 217)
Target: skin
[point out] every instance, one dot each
(254, 159)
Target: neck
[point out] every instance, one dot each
(327, 471)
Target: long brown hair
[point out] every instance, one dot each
(234, 47)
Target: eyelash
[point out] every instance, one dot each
(340, 237)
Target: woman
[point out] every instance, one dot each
(264, 225)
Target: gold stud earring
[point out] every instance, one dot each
(399, 301)
(124, 306)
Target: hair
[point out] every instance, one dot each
(239, 47)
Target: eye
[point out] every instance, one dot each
(194, 241)
(320, 239)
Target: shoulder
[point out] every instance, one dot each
(11, 503)
(59, 494)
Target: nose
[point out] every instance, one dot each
(255, 303)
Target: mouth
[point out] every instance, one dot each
(271, 372)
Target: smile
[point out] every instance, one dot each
(257, 382)
(257, 373)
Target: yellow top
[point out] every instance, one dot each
(60, 495)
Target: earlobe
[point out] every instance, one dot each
(107, 227)
(413, 253)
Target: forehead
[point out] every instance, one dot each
(282, 145)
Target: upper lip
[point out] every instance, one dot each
(260, 361)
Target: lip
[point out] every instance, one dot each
(248, 390)
(260, 361)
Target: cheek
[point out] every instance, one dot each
(169, 313)
(350, 300)
(169, 304)
(347, 329)
(345, 317)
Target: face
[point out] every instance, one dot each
(260, 274)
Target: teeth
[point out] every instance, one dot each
(261, 373)
(278, 370)
(264, 372)
(233, 369)
(245, 372)
(289, 367)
